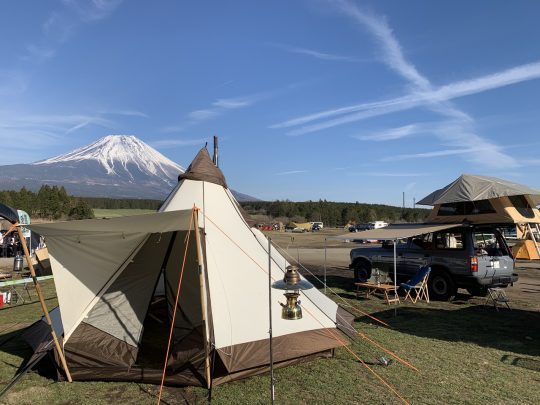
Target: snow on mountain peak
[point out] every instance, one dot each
(116, 152)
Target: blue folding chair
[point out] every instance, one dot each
(418, 284)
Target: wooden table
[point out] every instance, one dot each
(385, 288)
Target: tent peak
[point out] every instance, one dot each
(202, 168)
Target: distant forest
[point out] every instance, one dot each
(332, 213)
(54, 203)
(48, 203)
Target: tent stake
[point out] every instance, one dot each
(195, 214)
(43, 305)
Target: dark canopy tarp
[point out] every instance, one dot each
(202, 168)
(470, 187)
(397, 231)
(8, 213)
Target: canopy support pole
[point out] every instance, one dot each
(272, 386)
(395, 275)
(195, 214)
(324, 266)
(59, 349)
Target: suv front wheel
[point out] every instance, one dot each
(441, 286)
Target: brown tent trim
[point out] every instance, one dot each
(89, 346)
(249, 355)
(266, 368)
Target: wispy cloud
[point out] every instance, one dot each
(178, 142)
(127, 113)
(390, 48)
(232, 103)
(92, 10)
(220, 106)
(318, 54)
(291, 172)
(421, 94)
(62, 22)
(203, 115)
(39, 53)
(390, 134)
(52, 125)
(448, 92)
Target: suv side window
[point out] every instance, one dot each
(422, 241)
(449, 240)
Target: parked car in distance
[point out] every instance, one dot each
(470, 257)
(377, 224)
(359, 227)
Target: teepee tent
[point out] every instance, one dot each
(117, 281)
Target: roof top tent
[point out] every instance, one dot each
(116, 317)
(483, 200)
(486, 200)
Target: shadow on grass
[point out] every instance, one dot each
(523, 362)
(516, 331)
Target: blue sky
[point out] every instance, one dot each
(339, 100)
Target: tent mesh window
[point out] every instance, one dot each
(522, 206)
(466, 208)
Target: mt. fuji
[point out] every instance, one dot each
(116, 166)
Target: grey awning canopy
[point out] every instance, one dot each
(396, 231)
(157, 222)
(470, 187)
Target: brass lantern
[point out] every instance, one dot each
(292, 284)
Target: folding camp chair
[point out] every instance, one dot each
(498, 298)
(418, 284)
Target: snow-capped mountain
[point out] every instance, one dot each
(117, 166)
(122, 155)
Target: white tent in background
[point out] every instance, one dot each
(107, 275)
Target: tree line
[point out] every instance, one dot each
(334, 213)
(52, 202)
(48, 203)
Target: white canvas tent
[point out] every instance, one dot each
(108, 275)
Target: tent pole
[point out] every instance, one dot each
(272, 388)
(195, 214)
(43, 305)
(325, 266)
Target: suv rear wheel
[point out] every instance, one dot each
(441, 286)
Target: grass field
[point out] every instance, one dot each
(104, 213)
(465, 353)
